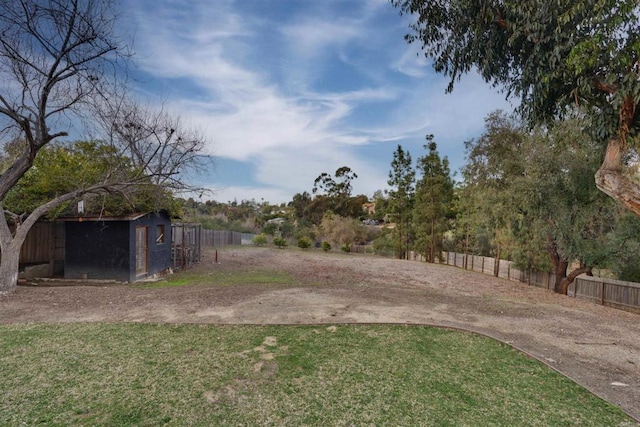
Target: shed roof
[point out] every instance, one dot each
(130, 217)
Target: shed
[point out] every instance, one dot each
(119, 248)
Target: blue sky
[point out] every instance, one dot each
(284, 90)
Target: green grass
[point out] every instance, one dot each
(225, 278)
(191, 375)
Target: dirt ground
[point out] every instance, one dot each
(598, 347)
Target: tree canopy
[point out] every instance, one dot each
(557, 221)
(60, 168)
(554, 56)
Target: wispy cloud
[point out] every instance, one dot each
(293, 94)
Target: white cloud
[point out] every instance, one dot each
(312, 36)
(252, 111)
(411, 63)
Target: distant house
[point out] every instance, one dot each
(126, 248)
(369, 208)
(277, 221)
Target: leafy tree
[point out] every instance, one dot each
(301, 204)
(60, 63)
(400, 202)
(338, 191)
(385, 244)
(492, 162)
(553, 56)
(560, 214)
(625, 238)
(318, 208)
(380, 199)
(60, 168)
(433, 204)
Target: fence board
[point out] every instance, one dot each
(610, 292)
(186, 245)
(218, 238)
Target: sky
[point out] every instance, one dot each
(284, 90)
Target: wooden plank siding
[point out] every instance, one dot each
(44, 244)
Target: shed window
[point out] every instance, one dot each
(160, 234)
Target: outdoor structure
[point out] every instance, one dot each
(126, 249)
(186, 241)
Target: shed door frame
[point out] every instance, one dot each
(142, 250)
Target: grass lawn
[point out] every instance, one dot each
(189, 375)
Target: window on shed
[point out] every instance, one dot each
(160, 239)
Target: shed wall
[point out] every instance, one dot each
(97, 250)
(159, 250)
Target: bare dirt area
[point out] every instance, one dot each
(599, 347)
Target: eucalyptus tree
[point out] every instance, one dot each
(492, 160)
(61, 67)
(401, 197)
(338, 191)
(565, 207)
(553, 56)
(561, 214)
(432, 210)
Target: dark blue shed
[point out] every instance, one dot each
(119, 248)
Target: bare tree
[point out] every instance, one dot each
(60, 62)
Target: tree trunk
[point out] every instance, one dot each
(567, 281)
(560, 265)
(9, 264)
(610, 178)
(560, 273)
(466, 249)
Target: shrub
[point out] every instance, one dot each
(259, 239)
(280, 242)
(326, 246)
(304, 242)
(346, 248)
(385, 245)
(343, 230)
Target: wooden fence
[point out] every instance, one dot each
(44, 244)
(610, 292)
(221, 238)
(186, 245)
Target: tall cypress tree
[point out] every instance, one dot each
(401, 179)
(434, 198)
